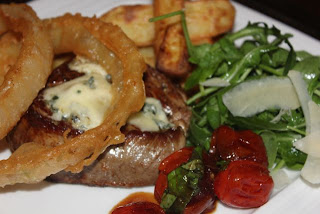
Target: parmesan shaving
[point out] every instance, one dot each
(255, 96)
(309, 144)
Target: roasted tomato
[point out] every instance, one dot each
(176, 159)
(169, 164)
(233, 145)
(204, 201)
(161, 186)
(139, 208)
(243, 184)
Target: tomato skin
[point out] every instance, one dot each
(139, 208)
(176, 159)
(161, 186)
(204, 201)
(169, 164)
(244, 184)
(233, 145)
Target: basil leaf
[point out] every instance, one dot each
(183, 184)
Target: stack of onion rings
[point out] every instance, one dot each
(22, 82)
(109, 46)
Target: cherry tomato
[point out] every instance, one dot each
(201, 205)
(169, 164)
(233, 145)
(243, 184)
(139, 208)
(161, 186)
(204, 200)
(176, 159)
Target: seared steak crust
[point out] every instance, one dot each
(171, 97)
(132, 163)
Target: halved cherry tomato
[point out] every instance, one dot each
(233, 145)
(161, 186)
(176, 159)
(243, 184)
(204, 200)
(201, 205)
(139, 208)
(169, 164)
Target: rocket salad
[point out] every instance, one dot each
(242, 82)
(257, 57)
(262, 51)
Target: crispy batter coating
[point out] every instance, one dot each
(107, 45)
(22, 80)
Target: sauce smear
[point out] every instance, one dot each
(136, 197)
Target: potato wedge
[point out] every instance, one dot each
(172, 57)
(134, 21)
(205, 19)
(209, 18)
(148, 55)
(169, 44)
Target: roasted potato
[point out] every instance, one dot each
(206, 19)
(209, 18)
(134, 21)
(148, 55)
(169, 44)
(202, 24)
(172, 56)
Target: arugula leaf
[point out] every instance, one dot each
(255, 123)
(301, 55)
(261, 54)
(213, 116)
(271, 144)
(201, 135)
(247, 46)
(293, 158)
(310, 68)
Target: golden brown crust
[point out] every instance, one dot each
(134, 162)
(24, 79)
(134, 21)
(32, 162)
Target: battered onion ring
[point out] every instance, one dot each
(94, 39)
(10, 46)
(21, 84)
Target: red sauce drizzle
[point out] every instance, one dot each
(136, 197)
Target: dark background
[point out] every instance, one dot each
(301, 14)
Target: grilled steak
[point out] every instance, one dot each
(132, 163)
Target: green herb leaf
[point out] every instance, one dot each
(271, 144)
(183, 184)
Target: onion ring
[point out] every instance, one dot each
(10, 45)
(110, 47)
(21, 84)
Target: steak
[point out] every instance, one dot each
(132, 163)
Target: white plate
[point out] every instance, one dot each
(47, 198)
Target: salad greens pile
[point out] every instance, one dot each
(258, 54)
(253, 52)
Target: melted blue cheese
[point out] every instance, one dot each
(151, 118)
(82, 101)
